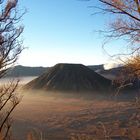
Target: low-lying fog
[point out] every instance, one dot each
(58, 115)
(23, 80)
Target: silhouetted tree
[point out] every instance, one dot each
(126, 25)
(127, 22)
(10, 48)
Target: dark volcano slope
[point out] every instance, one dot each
(69, 77)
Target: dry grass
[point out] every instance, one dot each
(128, 129)
(76, 119)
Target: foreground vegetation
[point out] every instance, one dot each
(67, 118)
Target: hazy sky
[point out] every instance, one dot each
(62, 31)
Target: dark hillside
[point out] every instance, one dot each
(70, 77)
(96, 67)
(20, 71)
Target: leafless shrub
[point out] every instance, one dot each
(10, 48)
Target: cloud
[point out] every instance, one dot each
(111, 65)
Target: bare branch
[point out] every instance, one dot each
(10, 49)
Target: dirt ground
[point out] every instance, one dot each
(63, 118)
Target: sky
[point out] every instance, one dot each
(62, 31)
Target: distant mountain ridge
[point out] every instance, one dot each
(21, 71)
(96, 67)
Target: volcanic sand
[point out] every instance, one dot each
(59, 117)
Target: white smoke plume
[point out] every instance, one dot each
(108, 66)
